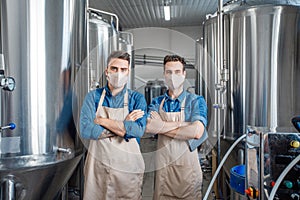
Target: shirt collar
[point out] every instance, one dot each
(180, 98)
(108, 92)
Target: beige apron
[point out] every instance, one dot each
(179, 175)
(114, 168)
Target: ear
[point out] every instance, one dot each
(184, 73)
(106, 72)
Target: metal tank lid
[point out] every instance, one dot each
(98, 19)
(235, 5)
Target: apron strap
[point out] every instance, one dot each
(125, 105)
(181, 108)
(97, 98)
(102, 98)
(125, 102)
(161, 104)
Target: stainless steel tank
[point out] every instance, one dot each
(264, 67)
(42, 43)
(153, 89)
(208, 69)
(103, 39)
(262, 54)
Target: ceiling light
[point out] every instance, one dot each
(167, 12)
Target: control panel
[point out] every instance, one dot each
(283, 149)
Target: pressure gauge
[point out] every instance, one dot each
(8, 83)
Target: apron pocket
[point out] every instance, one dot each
(179, 182)
(126, 185)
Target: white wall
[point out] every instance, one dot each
(158, 42)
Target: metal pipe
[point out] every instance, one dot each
(2, 67)
(219, 66)
(261, 166)
(107, 13)
(219, 84)
(282, 175)
(88, 49)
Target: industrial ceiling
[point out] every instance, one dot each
(150, 13)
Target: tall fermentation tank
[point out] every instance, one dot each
(208, 71)
(104, 37)
(42, 44)
(262, 54)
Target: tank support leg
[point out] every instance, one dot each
(8, 190)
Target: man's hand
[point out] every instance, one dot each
(98, 120)
(155, 115)
(135, 115)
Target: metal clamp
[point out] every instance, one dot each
(219, 106)
(224, 74)
(220, 87)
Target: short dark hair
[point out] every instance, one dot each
(174, 58)
(119, 54)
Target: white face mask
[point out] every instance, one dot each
(117, 80)
(174, 81)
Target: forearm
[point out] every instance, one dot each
(187, 131)
(157, 126)
(114, 126)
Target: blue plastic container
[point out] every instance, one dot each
(237, 178)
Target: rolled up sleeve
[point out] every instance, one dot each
(136, 129)
(199, 111)
(88, 129)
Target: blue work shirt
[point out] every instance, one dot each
(195, 110)
(90, 130)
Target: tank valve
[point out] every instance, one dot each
(252, 192)
(10, 126)
(64, 150)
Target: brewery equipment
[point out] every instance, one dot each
(105, 37)
(43, 45)
(254, 88)
(153, 89)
